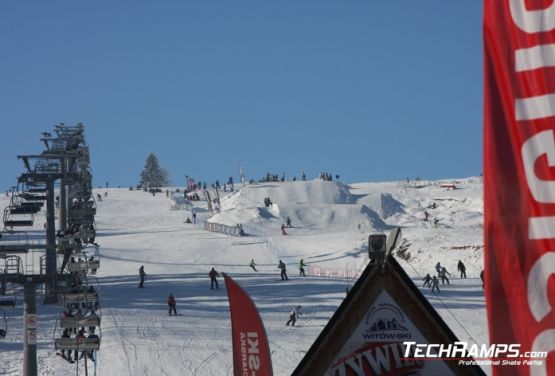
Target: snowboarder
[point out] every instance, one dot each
(435, 284)
(301, 268)
(142, 275)
(295, 313)
(438, 269)
(283, 269)
(482, 278)
(443, 276)
(426, 215)
(213, 279)
(283, 229)
(427, 280)
(171, 305)
(194, 217)
(253, 265)
(462, 269)
(288, 220)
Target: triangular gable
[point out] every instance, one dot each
(366, 333)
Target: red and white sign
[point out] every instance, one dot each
(32, 320)
(519, 177)
(251, 352)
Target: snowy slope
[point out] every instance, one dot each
(331, 222)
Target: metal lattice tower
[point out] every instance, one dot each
(64, 167)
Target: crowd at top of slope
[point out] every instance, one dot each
(333, 205)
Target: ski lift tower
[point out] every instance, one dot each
(47, 169)
(66, 160)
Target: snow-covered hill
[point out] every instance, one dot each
(331, 223)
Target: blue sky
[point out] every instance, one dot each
(370, 90)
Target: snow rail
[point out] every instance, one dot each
(224, 229)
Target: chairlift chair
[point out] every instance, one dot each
(83, 265)
(13, 265)
(79, 297)
(14, 242)
(77, 344)
(17, 220)
(78, 322)
(6, 300)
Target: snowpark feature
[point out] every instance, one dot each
(330, 226)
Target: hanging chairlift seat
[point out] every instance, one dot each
(78, 344)
(12, 265)
(13, 242)
(32, 197)
(18, 223)
(80, 297)
(82, 212)
(83, 265)
(27, 209)
(38, 204)
(77, 322)
(12, 220)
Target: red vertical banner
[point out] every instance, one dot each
(519, 179)
(251, 353)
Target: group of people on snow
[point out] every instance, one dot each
(442, 273)
(214, 275)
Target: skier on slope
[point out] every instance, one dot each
(427, 280)
(294, 315)
(301, 268)
(142, 275)
(438, 269)
(435, 284)
(213, 279)
(283, 229)
(288, 222)
(283, 269)
(443, 276)
(462, 269)
(253, 265)
(171, 305)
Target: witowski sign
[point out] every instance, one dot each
(519, 176)
(376, 347)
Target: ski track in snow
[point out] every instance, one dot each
(331, 223)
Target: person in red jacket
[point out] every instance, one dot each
(213, 281)
(171, 305)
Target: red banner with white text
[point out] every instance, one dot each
(519, 179)
(251, 353)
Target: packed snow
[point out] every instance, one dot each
(330, 222)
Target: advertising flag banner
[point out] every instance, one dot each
(519, 179)
(251, 353)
